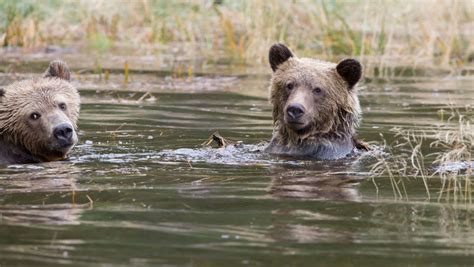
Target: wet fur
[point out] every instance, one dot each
(331, 133)
(14, 154)
(19, 143)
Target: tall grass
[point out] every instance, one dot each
(450, 158)
(428, 33)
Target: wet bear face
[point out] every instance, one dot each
(41, 114)
(312, 97)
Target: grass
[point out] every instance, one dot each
(382, 34)
(444, 152)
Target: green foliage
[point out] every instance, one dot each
(100, 43)
(9, 10)
(11, 14)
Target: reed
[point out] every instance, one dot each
(383, 34)
(449, 160)
(458, 148)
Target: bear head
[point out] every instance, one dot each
(313, 98)
(40, 115)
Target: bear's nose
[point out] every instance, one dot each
(295, 111)
(63, 132)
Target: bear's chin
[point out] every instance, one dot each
(299, 129)
(54, 155)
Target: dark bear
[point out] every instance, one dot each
(315, 106)
(38, 117)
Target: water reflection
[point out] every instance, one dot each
(336, 180)
(46, 193)
(48, 177)
(308, 234)
(320, 187)
(42, 215)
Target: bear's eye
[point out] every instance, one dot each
(317, 90)
(290, 86)
(62, 106)
(35, 115)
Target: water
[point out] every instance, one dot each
(140, 189)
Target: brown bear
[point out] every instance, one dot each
(315, 106)
(38, 117)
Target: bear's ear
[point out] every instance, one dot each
(279, 53)
(59, 69)
(350, 70)
(2, 93)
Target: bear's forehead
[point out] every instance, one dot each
(42, 88)
(310, 71)
(41, 93)
(46, 95)
(313, 67)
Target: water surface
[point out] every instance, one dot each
(140, 189)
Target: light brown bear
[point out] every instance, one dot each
(38, 117)
(315, 106)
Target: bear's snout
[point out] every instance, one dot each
(295, 117)
(295, 112)
(64, 134)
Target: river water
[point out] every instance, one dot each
(141, 189)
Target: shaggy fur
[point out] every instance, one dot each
(326, 93)
(24, 140)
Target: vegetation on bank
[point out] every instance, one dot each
(382, 34)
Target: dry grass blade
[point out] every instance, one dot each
(438, 35)
(453, 141)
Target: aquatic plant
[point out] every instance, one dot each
(456, 161)
(452, 161)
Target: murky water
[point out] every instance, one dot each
(140, 189)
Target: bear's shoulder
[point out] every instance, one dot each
(13, 154)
